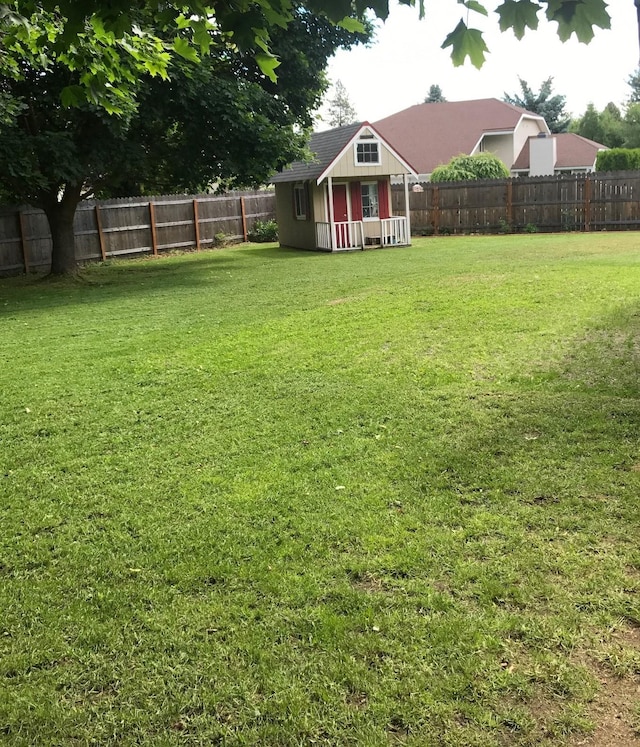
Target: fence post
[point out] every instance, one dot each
(154, 236)
(23, 241)
(587, 202)
(243, 212)
(196, 223)
(436, 209)
(100, 233)
(510, 202)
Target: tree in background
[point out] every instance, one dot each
(435, 95)
(340, 110)
(604, 127)
(634, 82)
(464, 168)
(549, 106)
(219, 121)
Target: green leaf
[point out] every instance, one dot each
(351, 24)
(518, 15)
(184, 49)
(578, 17)
(466, 42)
(474, 5)
(72, 96)
(267, 64)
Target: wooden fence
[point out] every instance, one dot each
(581, 202)
(132, 226)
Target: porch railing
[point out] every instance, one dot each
(394, 232)
(351, 234)
(348, 235)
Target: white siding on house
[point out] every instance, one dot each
(499, 145)
(526, 129)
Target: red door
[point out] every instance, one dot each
(341, 215)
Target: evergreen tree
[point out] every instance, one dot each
(606, 127)
(549, 106)
(435, 95)
(634, 82)
(341, 112)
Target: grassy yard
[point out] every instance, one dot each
(266, 497)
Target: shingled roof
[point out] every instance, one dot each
(572, 152)
(326, 146)
(432, 134)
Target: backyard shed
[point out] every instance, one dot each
(341, 200)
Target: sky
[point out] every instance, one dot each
(396, 71)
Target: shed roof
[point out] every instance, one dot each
(572, 152)
(432, 134)
(326, 146)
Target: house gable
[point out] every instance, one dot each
(366, 156)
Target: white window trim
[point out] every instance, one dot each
(362, 141)
(303, 201)
(375, 217)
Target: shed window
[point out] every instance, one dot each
(367, 152)
(300, 202)
(369, 200)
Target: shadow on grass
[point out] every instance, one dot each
(562, 441)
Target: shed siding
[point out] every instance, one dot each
(346, 167)
(292, 232)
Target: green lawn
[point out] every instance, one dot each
(267, 497)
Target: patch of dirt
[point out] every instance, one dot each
(612, 707)
(367, 582)
(336, 301)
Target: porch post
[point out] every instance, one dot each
(405, 180)
(332, 227)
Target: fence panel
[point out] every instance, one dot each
(132, 226)
(575, 202)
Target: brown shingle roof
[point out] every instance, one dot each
(572, 152)
(326, 146)
(431, 134)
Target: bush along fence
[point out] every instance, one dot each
(578, 202)
(133, 226)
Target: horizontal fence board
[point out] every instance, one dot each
(125, 227)
(569, 202)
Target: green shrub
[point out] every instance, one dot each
(618, 159)
(465, 168)
(264, 231)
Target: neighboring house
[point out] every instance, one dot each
(341, 200)
(564, 153)
(432, 134)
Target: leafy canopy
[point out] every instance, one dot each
(89, 35)
(464, 168)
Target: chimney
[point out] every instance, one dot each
(542, 155)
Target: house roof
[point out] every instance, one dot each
(326, 146)
(572, 152)
(432, 134)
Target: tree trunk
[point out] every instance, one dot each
(60, 214)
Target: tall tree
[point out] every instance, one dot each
(222, 120)
(544, 103)
(340, 109)
(435, 95)
(606, 127)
